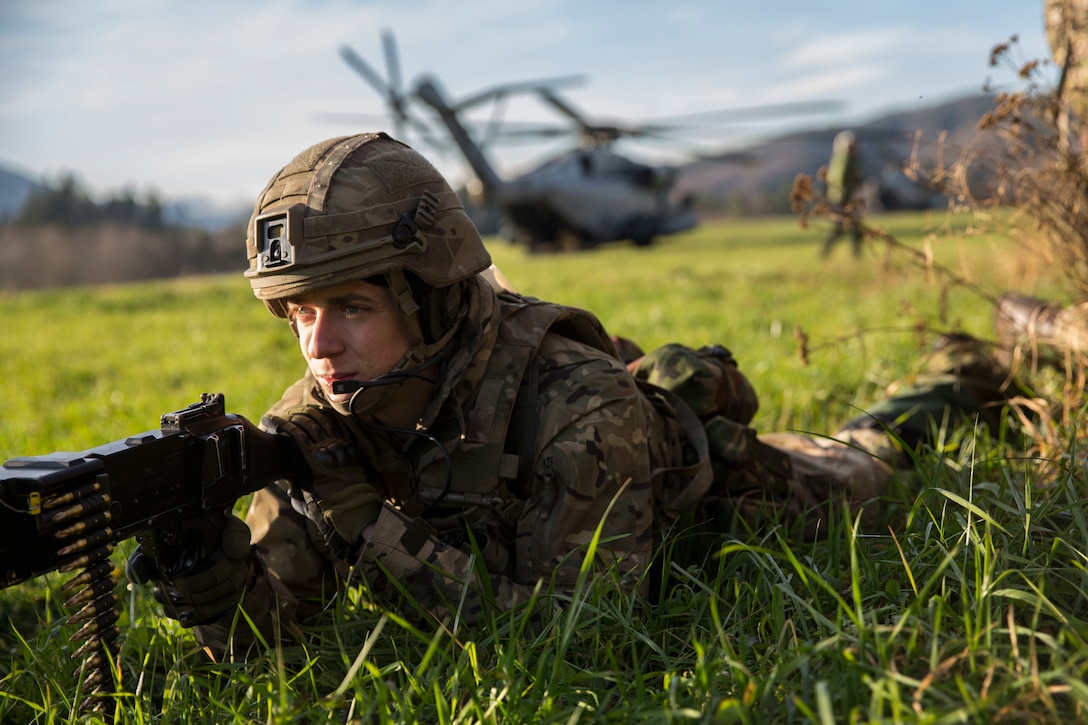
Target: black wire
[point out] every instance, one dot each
(355, 387)
(389, 379)
(17, 510)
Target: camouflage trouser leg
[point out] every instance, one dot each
(848, 471)
(801, 482)
(962, 385)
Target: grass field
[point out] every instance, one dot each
(972, 608)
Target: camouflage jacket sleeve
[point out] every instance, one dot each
(591, 475)
(708, 380)
(592, 471)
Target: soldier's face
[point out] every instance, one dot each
(349, 331)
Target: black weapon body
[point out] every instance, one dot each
(172, 489)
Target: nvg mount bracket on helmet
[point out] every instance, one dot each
(276, 234)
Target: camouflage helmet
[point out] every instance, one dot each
(357, 207)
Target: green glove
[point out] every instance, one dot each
(209, 590)
(339, 499)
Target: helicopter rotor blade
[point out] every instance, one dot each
(564, 107)
(528, 130)
(395, 87)
(659, 128)
(502, 90)
(772, 110)
(390, 90)
(392, 62)
(360, 66)
(593, 134)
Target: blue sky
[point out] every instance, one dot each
(210, 97)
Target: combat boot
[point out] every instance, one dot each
(961, 381)
(1021, 320)
(1039, 328)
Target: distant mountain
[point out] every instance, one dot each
(205, 214)
(741, 179)
(15, 189)
(196, 213)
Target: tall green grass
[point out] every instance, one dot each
(969, 607)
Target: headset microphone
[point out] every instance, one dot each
(342, 387)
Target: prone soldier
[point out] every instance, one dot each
(448, 420)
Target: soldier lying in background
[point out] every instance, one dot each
(1028, 327)
(467, 443)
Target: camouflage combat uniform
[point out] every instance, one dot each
(843, 180)
(550, 436)
(539, 432)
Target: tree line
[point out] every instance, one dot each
(64, 237)
(66, 203)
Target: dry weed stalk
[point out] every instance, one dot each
(1023, 167)
(1033, 167)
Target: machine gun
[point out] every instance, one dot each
(172, 489)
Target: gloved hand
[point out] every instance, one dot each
(208, 591)
(339, 499)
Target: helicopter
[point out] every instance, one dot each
(581, 198)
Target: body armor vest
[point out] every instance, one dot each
(488, 458)
(492, 462)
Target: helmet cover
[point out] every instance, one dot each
(356, 207)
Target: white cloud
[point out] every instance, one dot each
(831, 83)
(191, 95)
(846, 48)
